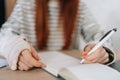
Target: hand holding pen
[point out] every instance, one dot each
(98, 56)
(96, 53)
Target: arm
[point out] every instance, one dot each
(91, 32)
(11, 42)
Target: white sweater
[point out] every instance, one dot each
(22, 21)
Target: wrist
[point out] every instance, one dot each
(111, 55)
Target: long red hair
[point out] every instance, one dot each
(68, 15)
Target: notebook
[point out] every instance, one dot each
(3, 63)
(69, 68)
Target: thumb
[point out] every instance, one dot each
(89, 47)
(34, 53)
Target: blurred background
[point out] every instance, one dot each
(106, 13)
(2, 12)
(6, 7)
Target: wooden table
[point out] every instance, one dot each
(38, 74)
(35, 74)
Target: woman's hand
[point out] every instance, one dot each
(98, 56)
(29, 59)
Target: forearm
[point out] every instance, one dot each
(11, 46)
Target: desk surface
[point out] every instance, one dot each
(37, 73)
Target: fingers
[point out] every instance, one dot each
(27, 61)
(28, 57)
(98, 56)
(104, 59)
(88, 47)
(84, 54)
(34, 53)
(86, 50)
(23, 67)
(23, 60)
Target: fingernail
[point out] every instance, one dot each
(43, 66)
(84, 54)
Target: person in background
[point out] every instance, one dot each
(2, 12)
(50, 25)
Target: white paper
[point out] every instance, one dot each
(90, 72)
(57, 60)
(3, 63)
(70, 68)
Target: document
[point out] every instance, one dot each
(3, 63)
(69, 68)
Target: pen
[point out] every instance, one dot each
(101, 41)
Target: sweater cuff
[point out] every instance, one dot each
(13, 48)
(109, 50)
(111, 56)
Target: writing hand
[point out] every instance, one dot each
(98, 56)
(29, 59)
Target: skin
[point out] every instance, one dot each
(29, 59)
(98, 56)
